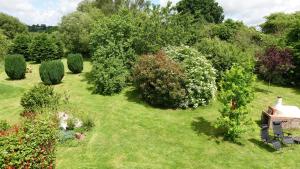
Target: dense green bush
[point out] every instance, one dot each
(44, 48)
(52, 72)
(30, 146)
(108, 75)
(114, 36)
(200, 83)
(55, 37)
(21, 45)
(293, 40)
(15, 67)
(160, 80)
(40, 96)
(223, 54)
(75, 63)
(236, 91)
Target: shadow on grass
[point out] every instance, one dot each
(262, 145)
(260, 90)
(86, 78)
(133, 96)
(202, 126)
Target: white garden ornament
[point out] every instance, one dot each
(63, 120)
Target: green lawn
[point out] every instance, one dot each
(130, 134)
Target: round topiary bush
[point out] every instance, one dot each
(75, 63)
(15, 67)
(160, 80)
(200, 81)
(52, 72)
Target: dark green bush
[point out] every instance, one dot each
(160, 81)
(15, 67)
(21, 45)
(40, 96)
(43, 48)
(75, 63)
(52, 72)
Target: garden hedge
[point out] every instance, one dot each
(15, 66)
(52, 72)
(75, 63)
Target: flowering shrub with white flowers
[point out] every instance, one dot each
(201, 76)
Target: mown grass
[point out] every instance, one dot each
(131, 134)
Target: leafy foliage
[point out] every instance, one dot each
(4, 125)
(52, 72)
(280, 23)
(293, 41)
(108, 75)
(223, 55)
(31, 145)
(75, 63)
(21, 45)
(44, 48)
(40, 96)
(4, 46)
(75, 29)
(15, 67)
(227, 30)
(207, 9)
(11, 25)
(114, 36)
(235, 93)
(159, 80)
(200, 82)
(275, 65)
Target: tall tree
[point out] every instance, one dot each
(11, 25)
(280, 23)
(202, 9)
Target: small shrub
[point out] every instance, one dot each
(64, 136)
(15, 67)
(52, 72)
(75, 63)
(38, 97)
(88, 123)
(159, 80)
(4, 125)
(236, 92)
(70, 124)
(200, 82)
